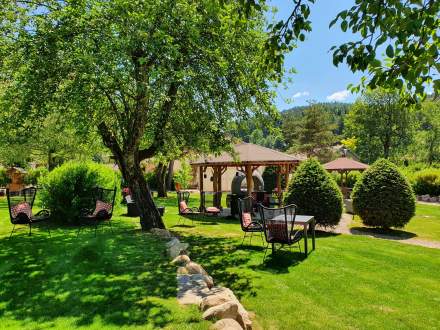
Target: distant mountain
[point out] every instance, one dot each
(337, 110)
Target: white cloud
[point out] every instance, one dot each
(300, 94)
(339, 96)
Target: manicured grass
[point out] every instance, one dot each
(348, 282)
(425, 224)
(123, 280)
(119, 280)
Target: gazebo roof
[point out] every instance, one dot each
(345, 164)
(249, 154)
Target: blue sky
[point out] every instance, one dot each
(317, 78)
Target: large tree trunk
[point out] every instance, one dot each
(170, 174)
(149, 215)
(161, 174)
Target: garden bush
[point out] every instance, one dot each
(427, 182)
(270, 179)
(316, 193)
(69, 188)
(350, 180)
(34, 175)
(383, 197)
(4, 178)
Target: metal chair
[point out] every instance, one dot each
(216, 200)
(246, 207)
(104, 201)
(184, 210)
(20, 205)
(278, 226)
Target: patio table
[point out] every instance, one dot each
(305, 221)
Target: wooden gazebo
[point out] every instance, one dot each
(344, 165)
(247, 157)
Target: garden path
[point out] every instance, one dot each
(344, 228)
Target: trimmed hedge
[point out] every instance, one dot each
(68, 188)
(349, 181)
(383, 197)
(427, 182)
(316, 193)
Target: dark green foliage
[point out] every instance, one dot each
(427, 182)
(383, 197)
(270, 179)
(349, 180)
(316, 193)
(33, 175)
(4, 179)
(69, 188)
(151, 180)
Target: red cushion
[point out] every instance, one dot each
(277, 231)
(212, 209)
(22, 207)
(102, 206)
(246, 218)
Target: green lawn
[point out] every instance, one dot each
(425, 224)
(115, 281)
(123, 280)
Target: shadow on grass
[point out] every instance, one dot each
(112, 276)
(392, 234)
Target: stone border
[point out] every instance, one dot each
(196, 287)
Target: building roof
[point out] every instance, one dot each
(345, 164)
(249, 154)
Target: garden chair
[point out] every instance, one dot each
(278, 226)
(20, 205)
(212, 210)
(246, 207)
(104, 201)
(184, 210)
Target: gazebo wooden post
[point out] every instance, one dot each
(286, 174)
(201, 174)
(249, 180)
(279, 183)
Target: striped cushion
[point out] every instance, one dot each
(212, 209)
(277, 231)
(102, 207)
(183, 207)
(21, 208)
(247, 219)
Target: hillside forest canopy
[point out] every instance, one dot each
(129, 81)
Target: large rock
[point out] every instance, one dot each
(191, 289)
(226, 324)
(162, 233)
(195, 268)
(227, 310)
(221, 295)
(181, 260)
(177, 249)
(172, 242)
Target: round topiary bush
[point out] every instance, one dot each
(383, 197)
(68, 188)
(315, 193)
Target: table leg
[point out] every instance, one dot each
(305, 240)
(313, 233)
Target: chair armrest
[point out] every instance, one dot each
(44, 212)
(256, 224)
(84, 212)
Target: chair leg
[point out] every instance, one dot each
(245, 233)
(265, 252)
(79, 229)
(262, 238)
(48, 229)
(96, 227)
(299, 246)
(30, 228)
(13, 228)
(250, 241)
(111, 227)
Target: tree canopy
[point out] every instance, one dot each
(142, 72)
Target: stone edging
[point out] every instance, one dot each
(196, 287)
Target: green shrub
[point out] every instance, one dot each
(183, 176)
(315, 193)
(383, 197)
(4, 178)
(68, 188)
(427, 182)
(151, 179)
(270, 178)
(350, 180)
(33, 175)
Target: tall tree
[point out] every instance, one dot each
(381, 124)
(408, 29)
(311, 132)
(145, 73)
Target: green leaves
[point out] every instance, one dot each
(390, 51)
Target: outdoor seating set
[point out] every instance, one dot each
(190, 212)
(277, 224)
(20, 204)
